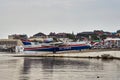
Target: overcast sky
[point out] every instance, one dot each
(33, 16)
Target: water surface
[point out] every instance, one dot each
(36, 68)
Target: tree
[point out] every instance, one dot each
(71, 36)
(118, 31)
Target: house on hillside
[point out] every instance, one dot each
(85, 35)
(52, 35)
(39, 35)
(18, 36)
(61, 35)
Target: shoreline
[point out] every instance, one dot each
(93, 53)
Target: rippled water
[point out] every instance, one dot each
(36, 68)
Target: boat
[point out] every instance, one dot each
(55, 46)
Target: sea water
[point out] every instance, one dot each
(38, 68)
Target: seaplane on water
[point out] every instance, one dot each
(54, 46)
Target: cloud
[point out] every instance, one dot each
(52, 15)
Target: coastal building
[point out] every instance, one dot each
(39, 35)
(112, 42)
(18, 36)
(99, 32)
(61, 35)
(118, 33)
(108, 43)
(85, 35)
(12, 45)
(52, 35)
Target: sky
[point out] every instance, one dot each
(33, 16)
